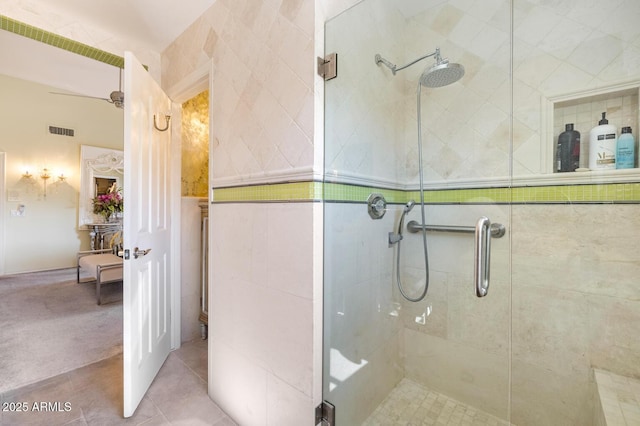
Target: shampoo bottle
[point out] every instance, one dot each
(568, 150)
(625, 152)
(602, 145)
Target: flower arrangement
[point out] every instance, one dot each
(108, 204)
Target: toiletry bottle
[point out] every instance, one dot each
(568, 150)
(626, 150)
(602, 145)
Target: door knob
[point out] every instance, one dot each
(137, 252)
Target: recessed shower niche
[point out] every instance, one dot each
(584, 109)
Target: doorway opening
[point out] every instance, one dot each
(194, 214)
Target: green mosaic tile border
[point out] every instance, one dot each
(467, 196)
(354, 193)
(304, 191)
(293, 191)
(613, 192)
(333, 192)
(55, 40)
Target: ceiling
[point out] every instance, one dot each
(147, 24)
(38, 62)
(153, 24)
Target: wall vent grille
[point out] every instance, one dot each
(61, 131)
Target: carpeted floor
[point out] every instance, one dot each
(49, 325)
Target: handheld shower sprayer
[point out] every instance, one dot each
(409, 206)
(396, 237)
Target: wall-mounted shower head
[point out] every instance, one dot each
(441, 74)
(409, 206)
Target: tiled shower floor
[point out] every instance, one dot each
(410, 404)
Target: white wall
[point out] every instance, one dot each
(47, 236)
(48, 65)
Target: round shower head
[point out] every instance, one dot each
(441, 74)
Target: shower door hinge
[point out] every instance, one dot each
(326, 414)
(328, 66)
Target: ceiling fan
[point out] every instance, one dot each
(116, 97)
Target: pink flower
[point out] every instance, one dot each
(109, 203)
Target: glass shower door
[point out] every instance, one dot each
(557, 332)
(445, 358)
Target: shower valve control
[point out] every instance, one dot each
(377, 206)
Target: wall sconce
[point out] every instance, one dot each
(29, 181)
(44, 175)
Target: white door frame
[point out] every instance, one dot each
(193, 84)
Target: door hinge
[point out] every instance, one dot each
(328, 66)
(326, 414)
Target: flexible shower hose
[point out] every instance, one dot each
(424, 231)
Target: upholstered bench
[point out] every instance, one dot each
(104, 266)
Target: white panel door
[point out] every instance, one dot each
(147, 227)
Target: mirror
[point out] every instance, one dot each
(100, 169)
(102, 185)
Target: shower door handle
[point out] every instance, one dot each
(482, 256)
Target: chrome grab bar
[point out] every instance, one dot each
(482, 256)
(497, 229)
(483, 231)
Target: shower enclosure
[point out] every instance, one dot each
(563, 305)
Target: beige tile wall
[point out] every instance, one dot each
(262, 322)
(262, 312)
(557, 50)
(263, 86)
(575, 305)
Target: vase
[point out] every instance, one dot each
(106, 218)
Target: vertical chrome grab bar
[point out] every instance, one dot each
(484, 231)
(482, 256)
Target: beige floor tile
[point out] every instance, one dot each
(92, 395)
(412, 404)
